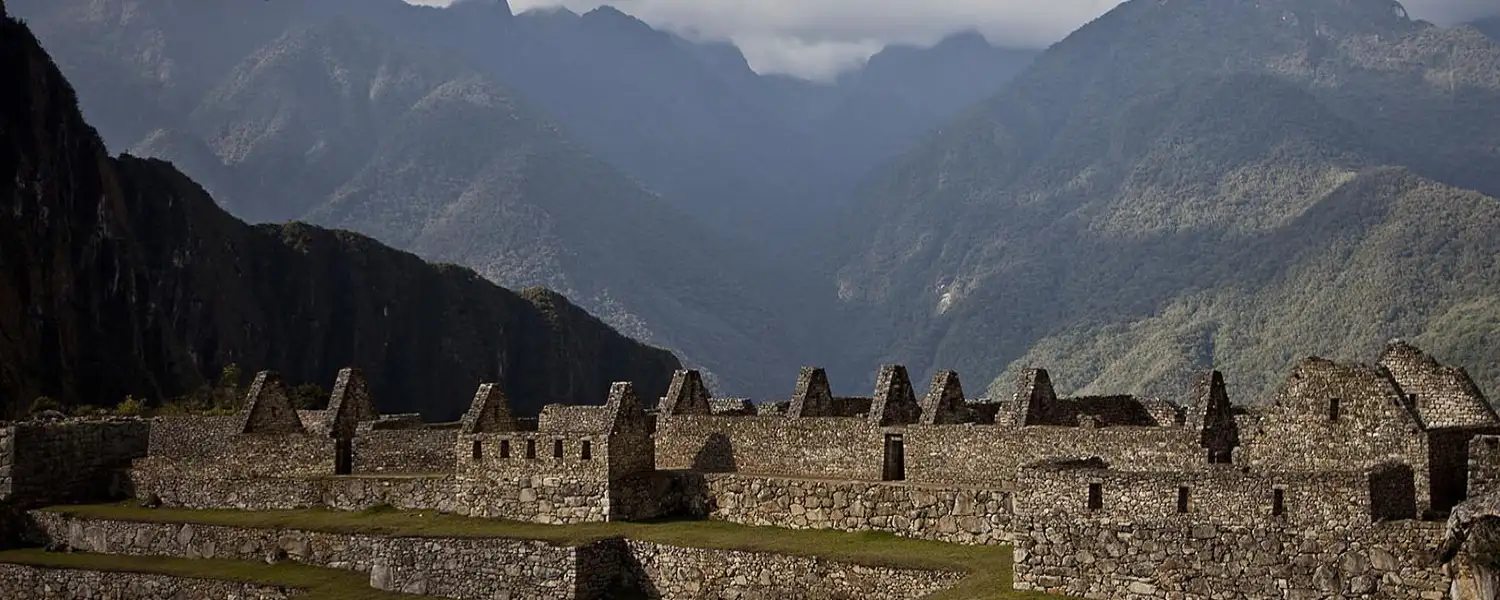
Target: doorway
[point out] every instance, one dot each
(895, 458)
(343, 462)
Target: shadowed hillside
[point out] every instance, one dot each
(123, 277)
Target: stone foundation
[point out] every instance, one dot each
(1093, 558)
(674, 573)
(35, 583)
(949, 514)
(488, 568)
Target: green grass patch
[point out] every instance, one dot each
(989, 566)
(320, 583)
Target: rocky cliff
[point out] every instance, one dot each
(122, 276)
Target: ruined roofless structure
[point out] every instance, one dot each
(1337, 485)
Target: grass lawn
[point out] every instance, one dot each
(989, 566)
(320, 583)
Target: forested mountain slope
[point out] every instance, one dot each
(1181, 185)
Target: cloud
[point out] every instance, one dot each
(817, 38)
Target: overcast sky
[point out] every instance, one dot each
(818, 38)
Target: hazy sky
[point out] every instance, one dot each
(818, 38)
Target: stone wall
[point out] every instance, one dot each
(186, 490)
(958, 515)
(482, 569)
(674, 573)
(1220, 496)
(833, 447)
(552, 499)
(273, 455)
(34, 583)
(1484, 464)
(405, 451)
(191, 436)
(455, 568)
(1108, 559)
(990, 455)
(68, 461)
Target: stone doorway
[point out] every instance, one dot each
(895, 458)
(343, 461)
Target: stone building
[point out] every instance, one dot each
(1331, 487)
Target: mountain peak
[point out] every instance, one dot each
(488, 8)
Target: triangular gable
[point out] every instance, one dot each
(489, 412)
(944, 403)
(686, 396)
(267, 409)
(813, 397)
(895, 403)
(350, 404)
(624, 409)
(1033, 394)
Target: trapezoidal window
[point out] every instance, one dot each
(1096, 496)
(1182, 499)
(1333, 409)
(504, 448)
(557, 449)
(1278, 502)
(586, 450)
(477, 453)
(531, 449)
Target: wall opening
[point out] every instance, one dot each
(1220, 457)
(1182, 499)
(1278, 502)
(895, 458)
(531, 449)
(504, 448)
(586, 450)
(1333, 409)
(477, 452)
(343, 460)
(1447, 469)
(557, 449)
(1393, 493)
(1096, 496)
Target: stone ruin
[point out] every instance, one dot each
(1336, 486)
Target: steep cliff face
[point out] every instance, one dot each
(121, 276)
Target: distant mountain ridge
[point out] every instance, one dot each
(435, 130)
(1185, 185)
(330, 117)
(123, 277)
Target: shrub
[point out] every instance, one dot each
(131, 407)
(45, 403)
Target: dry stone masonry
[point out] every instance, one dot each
(33, 583)
(484, 568)
(1333, 487)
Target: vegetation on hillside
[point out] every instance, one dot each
(1190, 185)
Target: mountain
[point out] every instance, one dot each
(1179, 185)
(342, 114)
(123, 277)
(903, 92)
